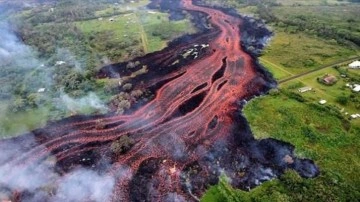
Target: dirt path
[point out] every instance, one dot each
(143, 35)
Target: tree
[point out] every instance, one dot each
(122, 145)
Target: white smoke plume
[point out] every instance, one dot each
(91, 102)
(84, 185)
(13, 51)
(42, 182)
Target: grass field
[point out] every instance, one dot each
(278, 71)
(17, 123)
(138, 25)
(297, 53)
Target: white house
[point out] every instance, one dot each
(41, 90)
(59, 63)
(356, 88)
(355, 65)
(322, 102)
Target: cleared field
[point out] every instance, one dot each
(297, 53)
(138, 25)
(277, 71)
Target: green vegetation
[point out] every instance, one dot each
(121, 145)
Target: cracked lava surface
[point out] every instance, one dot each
(184, 139)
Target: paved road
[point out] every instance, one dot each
(318, 69)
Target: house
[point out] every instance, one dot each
(329, 79)
(304, 89)
(41, 90)
(355, 116)
(60, 63)
(355, 65)
(356, 88)
(322, 102)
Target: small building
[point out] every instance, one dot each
(41, 90)
(355, 116)
(60, 63)
(355, 65)
(329, 79)
(322, 102)
(356, 88)
(304, 89)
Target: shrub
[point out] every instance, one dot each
(122, 145)
(343, 100)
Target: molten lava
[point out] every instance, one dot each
(181, 141)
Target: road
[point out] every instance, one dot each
(318, 69)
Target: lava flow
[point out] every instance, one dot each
(177, 144)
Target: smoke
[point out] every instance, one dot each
(89, 102)
(84, 185)
(41, 181)
(174, 197)
(13, 51)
